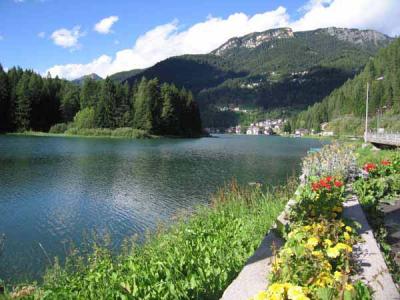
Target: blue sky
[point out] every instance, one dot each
(60, 35)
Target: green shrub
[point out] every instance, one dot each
(85, 118)
(125, 132)
(59, 128)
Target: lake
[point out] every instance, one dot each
(54, 191)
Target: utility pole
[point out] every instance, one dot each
(366, 115)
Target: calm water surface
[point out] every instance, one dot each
(53, 190)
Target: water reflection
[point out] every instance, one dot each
(54, 189)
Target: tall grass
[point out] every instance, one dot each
(196, 258)
(58, 130)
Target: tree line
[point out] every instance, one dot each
(29, 101)
(349, 99)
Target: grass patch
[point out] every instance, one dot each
(125, 132)
(196, 258)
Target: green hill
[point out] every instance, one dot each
(275, 68)
(349, 99)
(122, 76)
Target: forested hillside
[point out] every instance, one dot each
(31, 102)
(349, 100)
(275, 68)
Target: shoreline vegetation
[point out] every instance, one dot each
(195, 258)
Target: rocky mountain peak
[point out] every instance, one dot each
(253, 40)
(356, 36)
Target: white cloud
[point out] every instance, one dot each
(104, 26)
(67, 38)
(383, 15)
(169, 39)
(41, 35)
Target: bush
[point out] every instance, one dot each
(59, 128)
(85, 118)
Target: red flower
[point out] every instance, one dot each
(338, 183)
(325, 183)
(315, 186)
(385, 163)
(369, 167)
(329, 178)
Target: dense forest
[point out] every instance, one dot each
(348, 101)
(30, 102)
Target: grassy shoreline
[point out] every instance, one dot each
(195, 258)
(85, 134)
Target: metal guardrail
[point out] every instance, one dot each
(384, 138)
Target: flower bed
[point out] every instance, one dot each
(380, 182)
(316, 262)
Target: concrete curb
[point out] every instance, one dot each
(373, 270)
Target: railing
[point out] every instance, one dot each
(384, 138)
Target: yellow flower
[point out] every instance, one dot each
(296, 293)
(349, 229)
(328, 242)
(332, 252)
(348, 287)
(312, 242)
(338, 275)
(342, 246)
(260, 296)
(317, 254)
(276, 288)
(324, 279)
(346, 236)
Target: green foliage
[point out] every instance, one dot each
(29, 102)
(70, 102)
(350, 98)
(85, 118)
(382, 184)
(196, 258)
(126, 132)
(58, 128)
(4, 100)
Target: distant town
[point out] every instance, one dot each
(268, 126)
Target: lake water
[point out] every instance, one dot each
(53, 190)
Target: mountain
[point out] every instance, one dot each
(122, 76)
(345, 107)
(274, 68)
(92, 76)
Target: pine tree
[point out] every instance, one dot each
(70, 102)
(106, 107)
(4, 100)
(143, 117)
(23, 103)
(89, 93)
(170, 111)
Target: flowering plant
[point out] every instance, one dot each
(323, 197)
